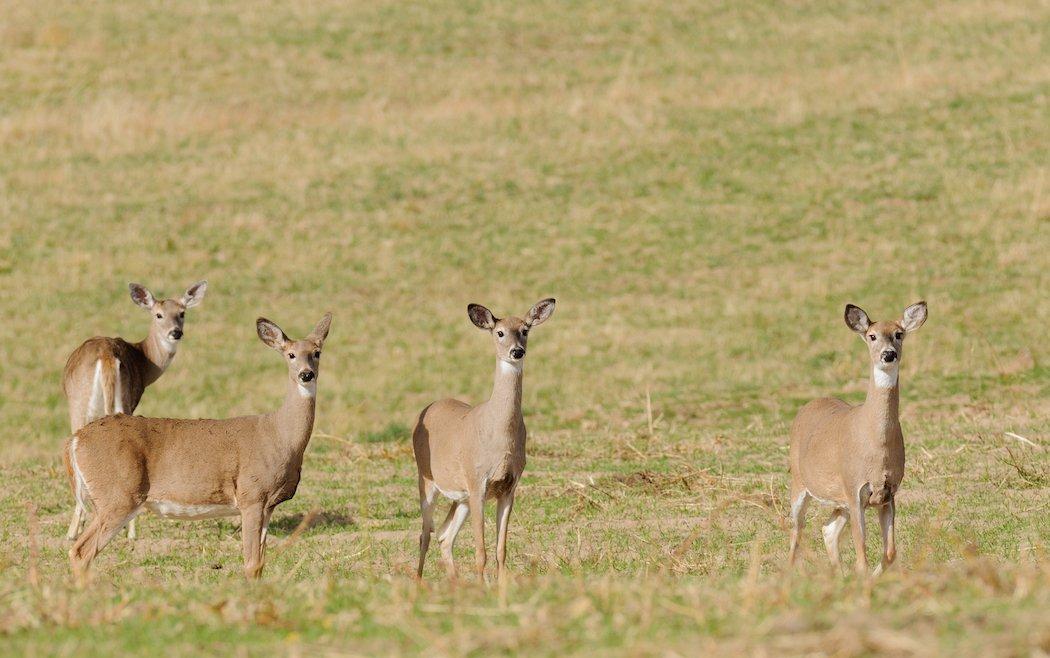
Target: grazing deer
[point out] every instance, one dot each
(108, 375)
(470, 454)
(852, 457)
(199, 469)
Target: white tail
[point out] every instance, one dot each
(107, 376)
(197, 469)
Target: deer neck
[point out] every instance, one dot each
(882, 405)
(503, 408)
(159, 353)
(295, 418)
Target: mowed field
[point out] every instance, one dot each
(702, 186)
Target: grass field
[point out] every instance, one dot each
(702, 187)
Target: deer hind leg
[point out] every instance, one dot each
(105, 524)
(832, 531)
(887, 523)
(799, 504)
(457, 515)
(76, 524)
(427, 499)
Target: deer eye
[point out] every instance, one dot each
(291, 356)
(182, 314)
(159, 316)
(500, 334)
(872, 337)
(524, 332)
(899, 335)
(317, 354)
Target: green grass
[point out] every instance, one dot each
(702, 186)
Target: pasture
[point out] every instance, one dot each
(702, 186)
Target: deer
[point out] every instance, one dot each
(473, 454)
(108, 375)
(195, 469)
(851, 457)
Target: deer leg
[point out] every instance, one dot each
(447, 537)
(252, 517)
(856, 517)
(76, 524)
(477, 516)
(503, 508)
(264, 532)
(832, 531)
(427, 498)
(99, 532)
(799, 504)
(887, 523)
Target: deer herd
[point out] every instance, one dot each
(848, 458)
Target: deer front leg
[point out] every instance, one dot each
(856, 518)
(477, 519)
(887, 523)
(252, 524)
(503, 510)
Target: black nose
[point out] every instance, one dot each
(517, 352)
(306, 376)
(889, 356)
(176, 334)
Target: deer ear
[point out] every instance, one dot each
(857, 319)
(320, 332)
(141, 296)
(271, 334)
(540, 312)
(914, 316)
(481, 316)
(195, 294)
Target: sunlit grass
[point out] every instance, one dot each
(702, 186)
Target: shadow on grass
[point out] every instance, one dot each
(324, 520)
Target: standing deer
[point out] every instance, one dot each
(852, 457)
(470, 454)
(199, 469)
(108, 375)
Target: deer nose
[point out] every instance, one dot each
(306, 376)
(517, 352)
(889, 356)
(176, 334)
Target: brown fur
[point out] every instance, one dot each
(852, 457)
(133, 366)
(471, 454)
(246, 465)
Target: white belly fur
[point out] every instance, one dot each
(172, 510)
(458, 496)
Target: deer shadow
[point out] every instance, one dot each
(323, 520)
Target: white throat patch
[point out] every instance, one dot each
(308, 390)
(508, 367)
(885, 376)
